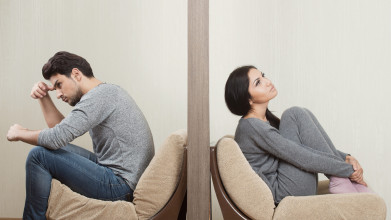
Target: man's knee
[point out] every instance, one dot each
(35, 154)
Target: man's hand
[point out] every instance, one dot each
(14, 132)
(19, 133)
(40, 90)
(357, 176)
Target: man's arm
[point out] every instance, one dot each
(19, 133)
(52, 116)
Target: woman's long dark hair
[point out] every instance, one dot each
(237, 96)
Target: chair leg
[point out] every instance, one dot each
(183, 211)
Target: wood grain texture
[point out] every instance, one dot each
(198, 110)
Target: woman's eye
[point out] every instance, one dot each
(257, 83)
(263, 75)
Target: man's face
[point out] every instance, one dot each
(67, 89)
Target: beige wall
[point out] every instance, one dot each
(139, 45)
(332, 57)
(329, 56)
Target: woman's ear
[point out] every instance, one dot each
(250, 102)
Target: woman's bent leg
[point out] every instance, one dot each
(339, 185)
(323, 133)
(298, 125)
(78, 173)
(293, 181)
(343, 182)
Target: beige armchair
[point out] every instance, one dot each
(242, 194)
(159, 194)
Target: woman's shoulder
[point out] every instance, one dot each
(249, 125)
(253, 122)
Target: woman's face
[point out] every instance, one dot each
(260, 88)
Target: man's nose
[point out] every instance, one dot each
(58, 93)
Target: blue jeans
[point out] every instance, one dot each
(75, 167)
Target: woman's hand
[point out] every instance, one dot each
(357, 176)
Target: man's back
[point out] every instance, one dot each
(120, 133)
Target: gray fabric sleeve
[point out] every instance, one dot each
(343, 155)
(301, 156)
(86, 114)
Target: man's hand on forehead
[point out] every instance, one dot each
(40, 90)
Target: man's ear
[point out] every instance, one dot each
(76, 74)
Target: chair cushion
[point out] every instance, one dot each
(66, 204)
(246, 189)
(332, 206)
(159, 180)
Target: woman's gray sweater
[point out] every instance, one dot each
(264, 147)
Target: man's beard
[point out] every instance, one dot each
(76, 98)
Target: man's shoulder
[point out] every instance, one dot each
(107, 87)
(105, 90)
(101, 93)
(104, 95)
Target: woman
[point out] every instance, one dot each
(288, 153)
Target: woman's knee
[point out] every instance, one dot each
(293, 112)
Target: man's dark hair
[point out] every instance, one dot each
(63, 62)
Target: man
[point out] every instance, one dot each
(122, 141)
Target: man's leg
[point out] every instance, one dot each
(78, 173)
(81, 151)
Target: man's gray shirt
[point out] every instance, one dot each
(120, 133)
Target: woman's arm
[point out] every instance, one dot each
(343, 154)
(357, 176)
(269, 139)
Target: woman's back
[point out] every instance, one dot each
(262, 162)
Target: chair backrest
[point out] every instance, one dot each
(228, 208)
(161, 189)
(246, 190)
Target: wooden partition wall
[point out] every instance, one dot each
(198, 178)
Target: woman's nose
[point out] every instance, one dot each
(268, 82)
